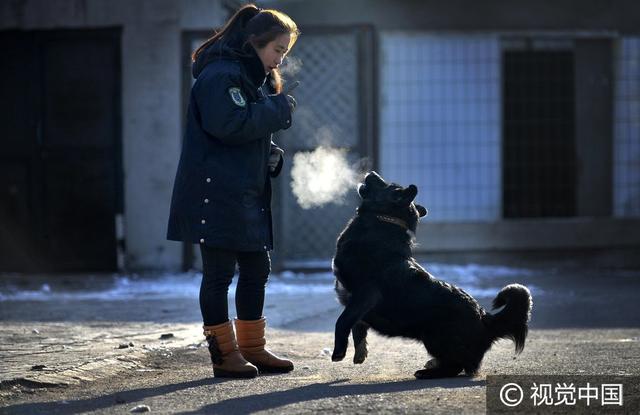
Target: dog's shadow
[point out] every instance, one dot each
(333, 389)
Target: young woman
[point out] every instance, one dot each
(222, 191)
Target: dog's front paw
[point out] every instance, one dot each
(360, 354)
(338, 356)
(339, 349)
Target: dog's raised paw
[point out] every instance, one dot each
(360, 355)
(337, 357)
(358, 359)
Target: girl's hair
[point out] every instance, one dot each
(258, 27)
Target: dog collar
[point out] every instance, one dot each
(395, 221)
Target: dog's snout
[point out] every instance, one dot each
(373, 178)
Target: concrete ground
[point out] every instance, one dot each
(585, 321)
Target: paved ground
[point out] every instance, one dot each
(85, 335)
(181, 383)
(585, 321)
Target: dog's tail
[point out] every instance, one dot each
(512, 321)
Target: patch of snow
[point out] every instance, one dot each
(187, 285)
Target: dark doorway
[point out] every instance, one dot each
(539, 155)
(60, 165)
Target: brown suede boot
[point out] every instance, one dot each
(225, 357)
(251, 342)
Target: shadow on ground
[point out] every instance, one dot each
(245, 404)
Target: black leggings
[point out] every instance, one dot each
(218, 267)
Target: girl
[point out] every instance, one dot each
(222, 191)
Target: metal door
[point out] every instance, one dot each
(60, 165)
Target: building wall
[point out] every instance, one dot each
(441, 111)
(151, 101)
(152, 105)
(467, 15)
(440, 128)
(411, 29)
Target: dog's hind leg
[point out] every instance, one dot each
(359, 304)
(438, 369)
(444, 364)
(359, 333)
(431, 363)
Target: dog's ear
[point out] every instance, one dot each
(422, 211)
(410, 193)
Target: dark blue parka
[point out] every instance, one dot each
(222, 190)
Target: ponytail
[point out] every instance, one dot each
(234, 26)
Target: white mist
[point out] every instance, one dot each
(322, 176)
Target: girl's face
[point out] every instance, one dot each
(274, 52)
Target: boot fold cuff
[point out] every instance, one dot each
(261, 322)
(224, 338)
(219, 329)
(252, 342)
(252, 349)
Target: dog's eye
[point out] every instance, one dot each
(397, 194)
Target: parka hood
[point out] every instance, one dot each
(231, 49)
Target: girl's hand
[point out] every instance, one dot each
(274, 157)
(290, 99)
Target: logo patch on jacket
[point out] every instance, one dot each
(237, 97)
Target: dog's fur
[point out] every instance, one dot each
(383, 287)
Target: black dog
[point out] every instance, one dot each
(383, 287)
